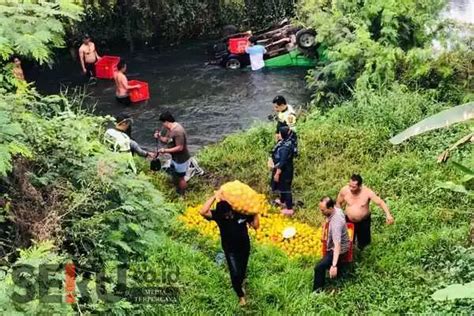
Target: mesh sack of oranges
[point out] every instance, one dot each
(243, 198)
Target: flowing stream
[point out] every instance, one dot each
(210, 102)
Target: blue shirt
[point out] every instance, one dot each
(255, 50)
(256, 53)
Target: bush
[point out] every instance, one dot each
(374, 44)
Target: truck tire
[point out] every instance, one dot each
(233, 64)
(306, 38)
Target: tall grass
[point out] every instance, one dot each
(405, 263)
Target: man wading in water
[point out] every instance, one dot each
(234, 239)
(357, 198)
(121, 84)
(256, 53)
(88, 56)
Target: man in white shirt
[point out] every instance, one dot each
(256, 53)
(119, 140)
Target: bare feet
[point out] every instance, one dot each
(287, 212)
(242, 301)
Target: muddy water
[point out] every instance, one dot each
(209, 101)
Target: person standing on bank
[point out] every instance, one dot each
(88, 56)
(176, 140)
(121, 84)
(256, 53)
(281, 164)
(17, 69)
(356, 198)
(234, 239)
(337, 243)
(286, 114)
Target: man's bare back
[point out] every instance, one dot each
(121, 84)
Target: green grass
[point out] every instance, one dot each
(405, 263)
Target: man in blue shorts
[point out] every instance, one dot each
(177, 146)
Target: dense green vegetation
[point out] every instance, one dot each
(375, 43)
(165, 22)
(66, 197)
(408, 261)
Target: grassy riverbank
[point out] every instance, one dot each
(65, 197)
(76, 200)
(406, 262)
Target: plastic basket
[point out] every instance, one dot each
(238, 45)
(139, 94)
(106, 66)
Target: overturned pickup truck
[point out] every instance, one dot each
(286, 46)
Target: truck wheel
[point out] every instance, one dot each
(306, 38)
(232, 63)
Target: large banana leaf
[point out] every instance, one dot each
(455, 291)
(460, 113)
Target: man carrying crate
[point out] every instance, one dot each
(122, 87)
(88, 56)
(338, 243)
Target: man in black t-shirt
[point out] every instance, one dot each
(234, 239)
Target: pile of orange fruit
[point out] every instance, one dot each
(305, 242)
(192, 220)
(243, 198)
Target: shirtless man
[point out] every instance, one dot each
(17, 70)
(356, 198)
(121, 84)
(88, 56)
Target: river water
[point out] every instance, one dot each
(209, 101)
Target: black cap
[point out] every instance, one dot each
(279, 99)
(284, 131)
(122, 117)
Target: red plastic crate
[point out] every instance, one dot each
(349, 255)
(106, 66)
(139, 94)
(238, 45)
